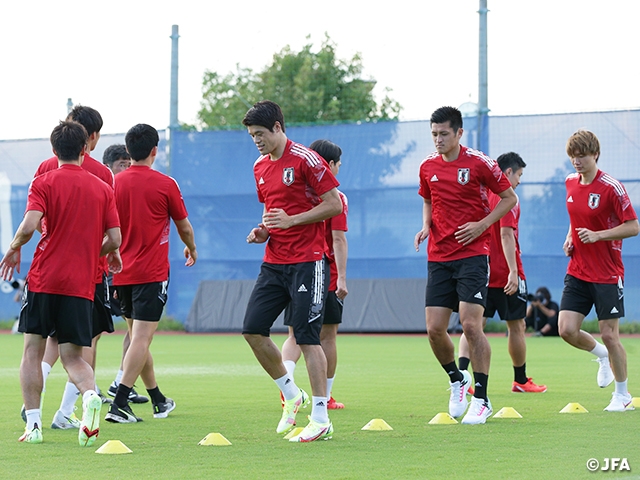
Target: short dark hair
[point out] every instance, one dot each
(68, 139)
(88, 117)
(448, 114)
(327, 150)
(115, 152)
(511, 160)
(140, 140)
(544, 291)
(265, 114)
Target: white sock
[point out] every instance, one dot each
(87, 394)
(330, 386)
(33, 417)
(621, 387)
(290, 365)
(600, 350)
(69, 398)
(46, 370)
(319, 410)
(287, 386)
(118, 377)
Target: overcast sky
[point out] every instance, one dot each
(545, 56)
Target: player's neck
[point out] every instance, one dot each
(588, 177)
(452, 154)
(277, 152)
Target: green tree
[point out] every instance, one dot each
(310, 87)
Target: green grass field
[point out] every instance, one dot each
(219, 387)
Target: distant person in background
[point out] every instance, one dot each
(335, 229)
(542, 313)
(601, 216)
(507, 284)
(118, 160)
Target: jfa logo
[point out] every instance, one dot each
(287, 176)
(609, 464)
(463, 176)
(594, 200)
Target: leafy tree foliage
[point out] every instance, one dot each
(310, 87)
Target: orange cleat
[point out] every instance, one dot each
(528, 387)
(333, 405)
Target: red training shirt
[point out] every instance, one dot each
(147, 200)
(601, 205)
(295, 182)
(498, 262)
(459, 193)
(339, 222)
(78, 209)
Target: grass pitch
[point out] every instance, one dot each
(219, 387)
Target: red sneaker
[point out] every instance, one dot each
(528, 387)
(333, 405)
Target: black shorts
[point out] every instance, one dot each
(464, 280)
(102, 320)
(332, 314)
(143, 302)
(66, 318)
(114, 303)
(301, 286)
(579, 296)
(509, 307)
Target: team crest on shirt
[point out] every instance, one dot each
(287, 176)
(463, 176)
(594, 200)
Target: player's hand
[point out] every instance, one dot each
(9, 263)
(114, 261)
(191, 256)
(512, 283)
(568, 247)
(277, 218)
(468, 232)
(587, 236)
(420, 237)
(258, 235)
(341, 290)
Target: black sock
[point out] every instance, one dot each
(520, 374)
(463, 363)
(453, 372)
(122, 395)
(481, 385)
(156, 395)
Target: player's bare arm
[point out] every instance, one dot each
(422, 235)
(508, 239)
(185, 231)
(25, 231)
(625, 230)
(468, 232)
(111, 241)
(340, 249)
(114, 261)
(567, 246)
(330, 206)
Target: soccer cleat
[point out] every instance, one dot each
(314, 431)
(104, 399)
(62, 422)
(161, 410)
(479, 411)
(32, 436)
(121, 414)
(620, 403)
(134, 397)
(528, 387)
(458, 399)
(90, 425)
(333, 405)
(23, 414)
(289, 411)
(605, 374)
(471, 390)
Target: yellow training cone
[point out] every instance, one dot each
(507, 412)
(214, 439)
(293, 433)
(442, 419)
(377, 424)
(114, 447)
(574, 408)
(636, 402)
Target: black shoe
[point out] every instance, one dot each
(161, 410)
(134, 397)
(121, 415)
(104, 399)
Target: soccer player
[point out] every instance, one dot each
(79, 225)
(118, 160)
(600, 217)
(507, 284)
(337, 253)
(147, 201)
(456, 216)
(299, 192)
